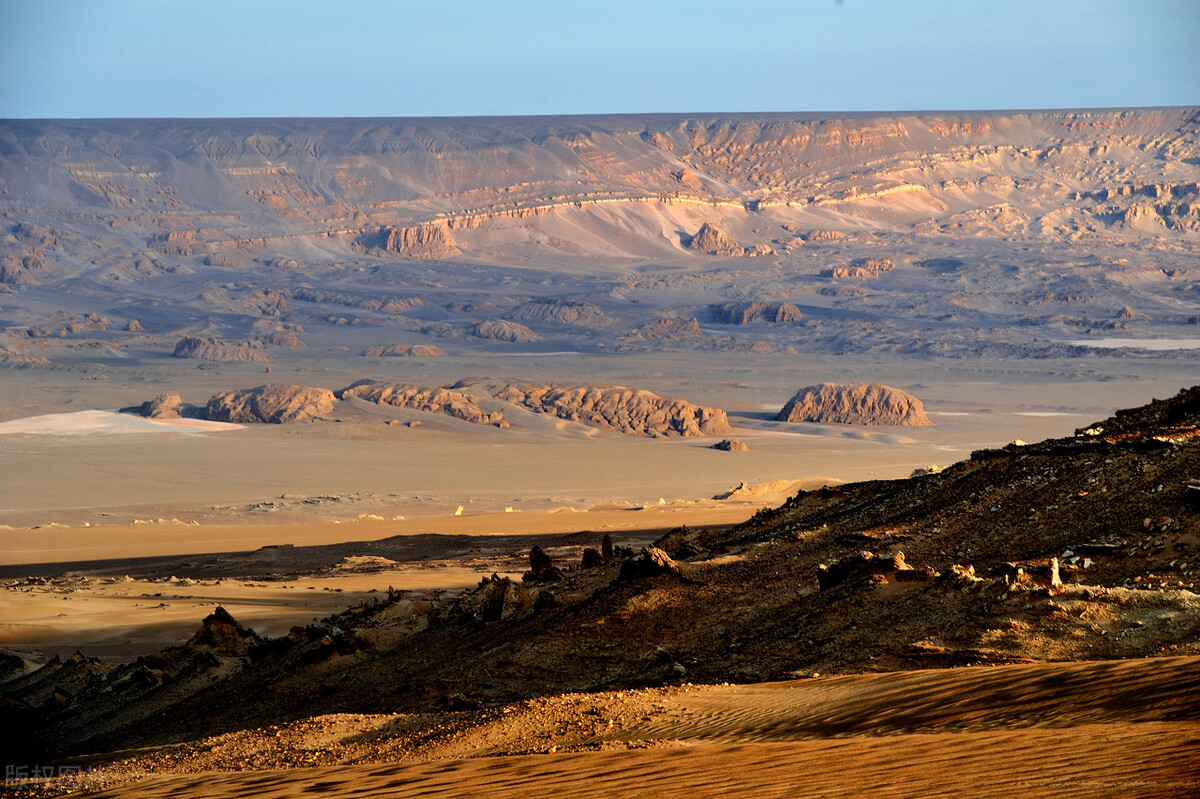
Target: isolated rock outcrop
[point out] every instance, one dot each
(504, 330)
(215, 349)
(386, 303)
(566, 312)
(404, 351)
(863, 269)
(441, 399)
(855, 403)
(13, 271)
(741, 313)
(284, 338)
(630, 411)
(730, 445)
(273, 404)
(824, 235)
(711, 240)
(665, 330)
(165, 406)
(221, 634)
(422, 242)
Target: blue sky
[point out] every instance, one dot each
(168, 58)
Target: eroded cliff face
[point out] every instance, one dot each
(421, 241)
(190, 187)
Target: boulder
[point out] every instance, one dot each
(591, 558)
(541, 568)
(730, 445)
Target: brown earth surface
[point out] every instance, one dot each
(1024, 273)
(949, 569)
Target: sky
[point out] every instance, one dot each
(283, 58)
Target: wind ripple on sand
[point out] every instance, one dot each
(1119, 728)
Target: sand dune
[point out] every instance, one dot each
(1084, 729)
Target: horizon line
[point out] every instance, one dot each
(828, 114)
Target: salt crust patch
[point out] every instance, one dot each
(88, 423)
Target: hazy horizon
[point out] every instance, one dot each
(131, 59)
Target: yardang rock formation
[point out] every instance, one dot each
(855, 403)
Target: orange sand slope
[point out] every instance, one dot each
(1116, 728)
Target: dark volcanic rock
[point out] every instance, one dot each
(541, 568)
(221, 634)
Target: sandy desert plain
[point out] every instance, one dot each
(437, 552)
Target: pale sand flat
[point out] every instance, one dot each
(70, 547)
